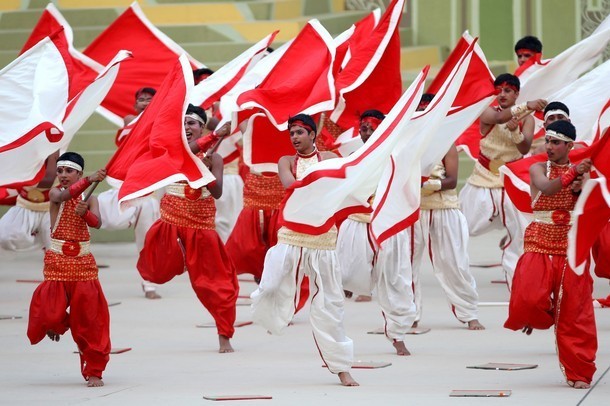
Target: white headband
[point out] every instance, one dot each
(70, 164)
(196, 117)
(559, 136)
(551, 112)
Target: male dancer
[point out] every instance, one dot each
(297, 254)
(546, 290)
(185, 237)
(70, 273)
(506, 135)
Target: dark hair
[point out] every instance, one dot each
(427, 97)
(373, 113)
(563, 127)
(147, 90)
(197, 110)
(529, 42)
(72, 157)
(306, 118)
(201, 72)
(508, 78)
(555, 105)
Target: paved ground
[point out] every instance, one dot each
(175, 363)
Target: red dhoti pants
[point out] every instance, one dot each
(88, 319)
(170, 249)
(546, 291)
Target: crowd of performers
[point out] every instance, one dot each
(230, 227)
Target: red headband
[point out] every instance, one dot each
(525, 49)
(373, 121)
(301, 124)
(505, 84)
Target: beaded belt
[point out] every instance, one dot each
(559, 217)
(70, 248)
(186, 192)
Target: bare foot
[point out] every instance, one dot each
(415, 324)
(347, 380)
(527, 330)
(579, 384)
(225, 344)
(401, 348)
(475, 325)
(152, 294)
(363, 298)
(94, 381)
(53, 335)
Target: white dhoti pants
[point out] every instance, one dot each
(355, 256)
(22, 229)
(229, 205)
(275, 300)
(141, 216)
(445, 233)
(487, 209)
(393, 285)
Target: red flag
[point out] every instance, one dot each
(84, 69)
(154, 56)
(300, 82)
(468, 141)
(371, 78)
(156, 152)
(352, 37)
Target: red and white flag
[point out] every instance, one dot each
(566, 67)
(354, 35)
(33, 99)
(371, 77)
(212, 88)
(592, 210)
(156, 153)
(586, 98)
(300, 82)
(332, 189)
(429, 136)
(84, 69)
(468, 141)
(154, 55)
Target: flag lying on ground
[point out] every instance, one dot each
(467, 91)
(592, 210)
(84, 69)
(154, 56)
(156, 152)
(371, 76)
(332, 189)
(212, 88)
